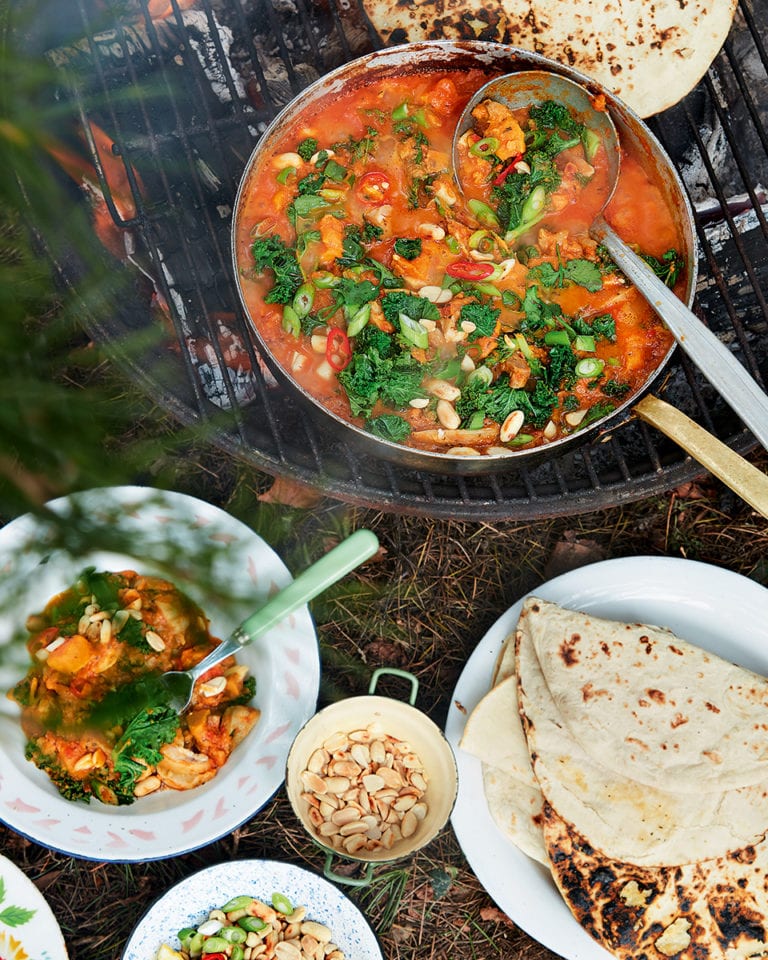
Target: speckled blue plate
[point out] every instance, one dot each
(189, 903)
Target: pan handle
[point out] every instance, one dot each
(735, 472)
(729, 377)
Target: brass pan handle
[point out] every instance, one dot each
(735, 472)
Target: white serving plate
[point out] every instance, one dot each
(230, 571)
(724, 612)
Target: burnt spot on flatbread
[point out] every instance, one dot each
(711, 707)
(567, 650)
(735, 919)
(657, 696)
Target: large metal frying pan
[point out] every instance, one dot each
(496, 59)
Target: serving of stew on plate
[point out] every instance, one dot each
(473, 321)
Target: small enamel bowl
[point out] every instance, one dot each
(418, 796)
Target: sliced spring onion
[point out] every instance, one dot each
(476, 421)
(520, 440)
(453, 244)
(291, 324)
(413, 331)
(483, 241)
(282, 904)
(488, 289)
(331, 193)
(401, 111)
(215, 945)
(481, 373)
(486, 214)
(195, 944)
(525, 347)
(584, 342)
(589, 367)
(484, 147)
(534, 205)
(302, 304)
(359, 320)
(237, 953)
(187, 933)
(233, 934)
(556, 338)
(324, 280)
(591, 141)
(251, 924)
(285, 174)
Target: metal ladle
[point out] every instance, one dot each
(529, 87)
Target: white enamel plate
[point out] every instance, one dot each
(230, 572)
(721, 611)
(189, 903)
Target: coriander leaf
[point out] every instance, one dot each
(538, 313)
(547, 275)
(585, 273)
(352, 294)
(668, 268)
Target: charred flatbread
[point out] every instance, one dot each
(715, 909)
(649, 54)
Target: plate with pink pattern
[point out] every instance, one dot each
(226, 568)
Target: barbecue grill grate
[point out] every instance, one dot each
(184, 95)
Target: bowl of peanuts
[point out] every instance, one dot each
(371, 778)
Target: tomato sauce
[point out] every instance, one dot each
(472, 321)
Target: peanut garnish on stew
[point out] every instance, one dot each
(105, 632)
(369, 275)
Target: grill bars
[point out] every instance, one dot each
(184, 97)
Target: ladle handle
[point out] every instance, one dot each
(729, 377)
(735, 472)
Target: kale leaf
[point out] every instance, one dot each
(389, 426)
(415, 307)
(271, 253)
(307, 148)
(483, 316)
(141, 741)
(408, 247)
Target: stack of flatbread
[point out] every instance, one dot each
(635, 766)
(650, 54)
